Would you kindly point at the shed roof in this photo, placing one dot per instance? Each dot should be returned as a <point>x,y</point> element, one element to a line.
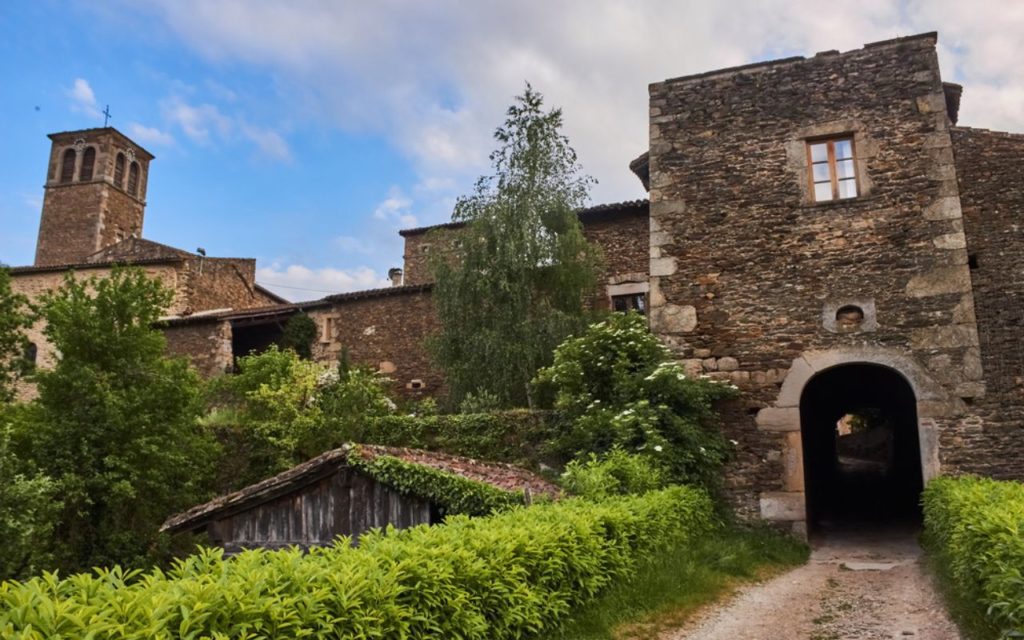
<point>502,476</point>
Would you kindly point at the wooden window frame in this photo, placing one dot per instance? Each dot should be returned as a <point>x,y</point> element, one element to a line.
<point>833,172</point>
<point>631,299</point>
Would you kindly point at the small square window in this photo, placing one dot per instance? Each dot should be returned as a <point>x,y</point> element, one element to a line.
<point>833,170</point>
<point>630,302</point>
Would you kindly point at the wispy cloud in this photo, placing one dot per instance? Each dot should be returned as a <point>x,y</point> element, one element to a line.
<point>435,77</point>
<point>396,209</point>
<point>83,99</point>
<point>198,122</point>
<point>269,142</point>
<point>299,282</point>
<point>149,135</point>
<point>205,124</point>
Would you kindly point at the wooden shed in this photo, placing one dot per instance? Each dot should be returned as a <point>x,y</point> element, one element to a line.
<point>326,497</point>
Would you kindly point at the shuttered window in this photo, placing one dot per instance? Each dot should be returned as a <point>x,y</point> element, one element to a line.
<point>119,171</point>
<point>133,179</point>
<point>67,168</point>
<point>88,162</point>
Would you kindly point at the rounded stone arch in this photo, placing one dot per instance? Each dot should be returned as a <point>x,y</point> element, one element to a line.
<point>932,401</point>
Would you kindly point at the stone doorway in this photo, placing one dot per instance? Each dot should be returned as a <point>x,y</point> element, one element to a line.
<point>861,450</point>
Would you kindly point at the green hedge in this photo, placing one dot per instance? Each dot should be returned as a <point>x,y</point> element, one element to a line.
<point>452,493</point>
<point>506,576</point>
<point>519,436</point>
<point>976,527</point>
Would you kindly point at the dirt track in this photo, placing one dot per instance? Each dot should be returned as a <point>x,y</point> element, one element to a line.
<point>856,586</point>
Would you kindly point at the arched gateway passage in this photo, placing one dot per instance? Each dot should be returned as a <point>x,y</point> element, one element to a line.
<point>862,460</point>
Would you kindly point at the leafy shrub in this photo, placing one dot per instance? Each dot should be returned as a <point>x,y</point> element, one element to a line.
<point>298,335</point>
<point>619,387</point>
<point>483,401</point>
<point>614,473</point>
<point>452,493</point>
<point>516,436</point>
<point>279,409</point>
<point>507,576</point>
<point>976,527</point>
<point>115,422</point>
<point>29,506</point>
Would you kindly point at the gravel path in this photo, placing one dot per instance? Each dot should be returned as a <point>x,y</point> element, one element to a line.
<point>854,587</point>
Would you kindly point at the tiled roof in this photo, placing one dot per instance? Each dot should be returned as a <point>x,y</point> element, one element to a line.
<point>586,215</point>
<point>92,265</point>
<point>503,476</point>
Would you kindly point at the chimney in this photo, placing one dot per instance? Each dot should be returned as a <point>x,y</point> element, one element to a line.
<point>395,276</point>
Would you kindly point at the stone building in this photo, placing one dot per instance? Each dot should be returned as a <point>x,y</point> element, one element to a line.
<point>387,328</point>
<point>825,236</point>
<point>92,218</point>
<point>819,231</point>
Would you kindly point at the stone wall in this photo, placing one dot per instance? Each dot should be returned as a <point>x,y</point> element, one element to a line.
<point>748,273</point>
<point>70,223</point>
<point>218,283</point>
<point>81,217</point>
<point>36,282</point>
<point>420,245</point>
<point>990,168</point>
<point>386,331</point>
<point>207,345</point>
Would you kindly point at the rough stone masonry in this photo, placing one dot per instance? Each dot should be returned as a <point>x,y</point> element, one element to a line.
<point>749,273</point>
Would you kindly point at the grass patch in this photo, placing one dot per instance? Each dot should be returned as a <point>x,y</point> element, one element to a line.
<point>675,584</point>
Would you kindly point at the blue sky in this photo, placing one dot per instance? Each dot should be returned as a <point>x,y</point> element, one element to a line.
<point>306,133</point>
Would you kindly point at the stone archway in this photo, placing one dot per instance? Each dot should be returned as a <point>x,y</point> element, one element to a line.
<point>789,504</point>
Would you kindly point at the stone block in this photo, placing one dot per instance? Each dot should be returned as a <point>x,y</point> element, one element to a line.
<point>939,281</point>
<point>710,364</point>
<point>665,266</point>
<point>778,419</point>
<point>950,241</point>
<point>793,462</point>
<point>783,506</point>
<point>947,208</point>
<point>728,364</point>
<point>672,318</point>
<point>702,353</point>
<point>692,367</point>
<point>947,337</point>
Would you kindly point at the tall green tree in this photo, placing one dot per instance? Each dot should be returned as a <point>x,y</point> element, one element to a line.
<point>517,282</point>
<point>15,317</point>
<point>116,422</point>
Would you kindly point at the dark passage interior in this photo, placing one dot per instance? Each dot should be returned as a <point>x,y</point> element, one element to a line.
<point>862,462</point>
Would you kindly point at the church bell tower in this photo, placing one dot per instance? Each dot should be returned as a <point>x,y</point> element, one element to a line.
<point>95,194</point>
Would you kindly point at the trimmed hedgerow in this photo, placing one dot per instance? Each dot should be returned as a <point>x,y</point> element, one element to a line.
<point>510,575</point>
<point>976,528</point>
<point>452,493</point>
<point>516,436</point>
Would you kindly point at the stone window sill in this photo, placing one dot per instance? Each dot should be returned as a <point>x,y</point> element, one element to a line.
<point>839,204</point>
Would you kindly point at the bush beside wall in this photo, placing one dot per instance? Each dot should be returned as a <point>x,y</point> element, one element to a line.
<point>976,528</point>
<point>511,575</point>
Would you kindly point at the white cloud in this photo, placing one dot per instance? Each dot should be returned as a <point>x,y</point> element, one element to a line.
<point>197,122</point>
<point>269,142</point>
<point>206,124</point>
<point>83,99</point>
<point>149,135</point>
<point>435,77</point>
<point>352,244</point>
<point>299,282</point>
<point>396,209</point>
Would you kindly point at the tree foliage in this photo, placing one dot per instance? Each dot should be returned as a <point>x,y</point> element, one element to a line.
<point>279,410</point>
<point>620,387</point>
<point>517,281</point>
<point>15,317</point>
<point>298,335</point>
<point>29,505</point>
<point>115,422</point>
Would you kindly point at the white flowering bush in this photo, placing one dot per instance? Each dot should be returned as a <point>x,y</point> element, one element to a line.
<point>621,389</point>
